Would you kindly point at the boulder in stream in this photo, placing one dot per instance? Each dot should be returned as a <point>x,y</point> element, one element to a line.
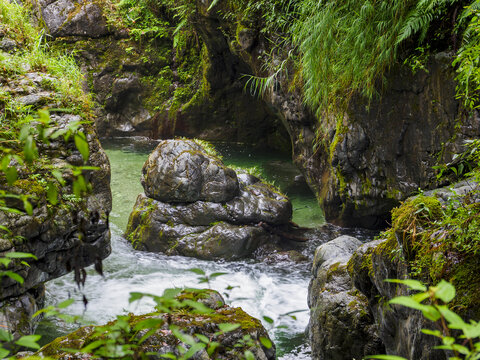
<point>341,324</point>
<point>196,206</point>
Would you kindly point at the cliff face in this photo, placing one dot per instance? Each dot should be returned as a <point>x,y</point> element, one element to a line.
<point>66,237</point>
<point>145,85</point>
<point>74,232</point>
<point>360,163</point>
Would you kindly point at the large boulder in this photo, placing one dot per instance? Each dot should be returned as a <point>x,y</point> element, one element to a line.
<point>195,206</point>
<point>341,325</point>
<point>181,171</point>
<point>250,335</point>
<point>72,17</point>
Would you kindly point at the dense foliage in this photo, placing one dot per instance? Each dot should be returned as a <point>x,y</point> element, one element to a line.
<point>347,47</point>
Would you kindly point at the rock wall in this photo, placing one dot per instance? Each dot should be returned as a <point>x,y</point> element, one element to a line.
<point>149,87</point>
<point>66,237</point>
<point>361,163</point>
<point>341,323</point>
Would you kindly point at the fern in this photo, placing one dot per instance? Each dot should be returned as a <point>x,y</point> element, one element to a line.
<point>347,46</point>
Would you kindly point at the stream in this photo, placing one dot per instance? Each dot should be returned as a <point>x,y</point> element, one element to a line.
<point>261,289</point>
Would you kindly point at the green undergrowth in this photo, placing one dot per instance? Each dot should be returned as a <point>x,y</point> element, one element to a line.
<point>162,30</point>
<point>32,69</point>
<point>32,54</point>
<point>438,241</point>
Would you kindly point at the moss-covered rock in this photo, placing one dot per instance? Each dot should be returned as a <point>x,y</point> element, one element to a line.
<point>204,326</point>
<point>341,323</point>
<point>181,171</point>
<point>433,236</point>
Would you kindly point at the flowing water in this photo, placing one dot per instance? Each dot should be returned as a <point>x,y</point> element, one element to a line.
<point>272,290</point>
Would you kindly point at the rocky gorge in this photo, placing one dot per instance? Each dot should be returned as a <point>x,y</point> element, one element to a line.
<point>195,76</point>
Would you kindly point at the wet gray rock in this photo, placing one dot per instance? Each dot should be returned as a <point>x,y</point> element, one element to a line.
<point>72,17</point>
<point>236,218</point>
<point>399,327</point>
<point>16,313</point>
<point>468,187</point>
<point>181,171</point>
<point>7,45</point>
<point>341,325</point>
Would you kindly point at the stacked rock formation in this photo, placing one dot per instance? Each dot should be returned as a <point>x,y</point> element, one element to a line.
<point>194,205</point>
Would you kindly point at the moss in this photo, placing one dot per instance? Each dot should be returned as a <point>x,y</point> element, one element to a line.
<point>340,132</point>
<point>30,186</point>
<point>336,269</point>
<point>366,264</point>
<point>466,279</point>
<point>421,210</point>
<point>139,224</point>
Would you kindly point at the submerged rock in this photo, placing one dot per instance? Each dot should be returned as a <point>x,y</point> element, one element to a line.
<point>341,325</point>
<point>195,206</point>
<point>250,335</point>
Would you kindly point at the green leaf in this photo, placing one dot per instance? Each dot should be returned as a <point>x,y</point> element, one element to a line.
<point>198,307</point>
<point>185,338</point>
<point>169,356</point>
<point>135,296</point>
<point>217,274</point>
<point>197,271</point>
<point>65,304</point>
<point>444,291</point>
<point>5,336</point>
<point>203,338</point>
<point>44,116</point>
<point>30,149</point>
<point>82,145</point>
<point>214,2</point>
<point>436,333</point>
<point>29,341</point>
<point>12,275</point>
<point>428,311</point>
<point>249,355</point>
<point>171,293</point>
<point>28,207</point>
<point>412,284</point>
<point>227,327</point>
<point>92,346</point>
<point>20,255</point>
<point>268,319</point>
<point>58,176</point>
<point>194,349</point>
<point>385,357</point>
<point>52,193</point>
<point>11,174</point>
<point>4,353</point>
<point>266,342</point>
<point>149,324</point>
<point>212,347</point>
<point>448,340</point>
